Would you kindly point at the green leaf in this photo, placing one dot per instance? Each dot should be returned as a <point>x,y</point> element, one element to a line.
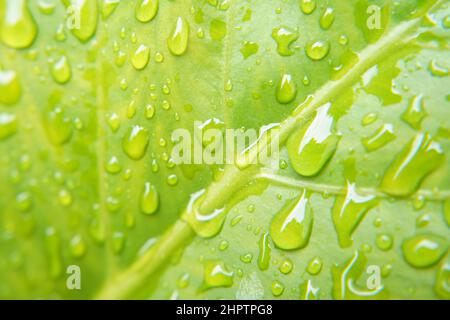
<point>91,95</point>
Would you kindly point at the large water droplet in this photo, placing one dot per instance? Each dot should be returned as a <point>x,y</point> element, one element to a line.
<point>313,145</point>
<point>135,142</point>
<point>149,199</point>
<point>10,89</point>
<point>8,125</point>
<point>178,40</point>
<point>249,48</point>
<point>286,89</point>
<point>82,17</point>
<point>424,250</point>
<point>284,37</point>
<point>17,26</point>
<point>291,227</point>
<point>414,163</point>
<point>146,10</point>
<point>348,212</point>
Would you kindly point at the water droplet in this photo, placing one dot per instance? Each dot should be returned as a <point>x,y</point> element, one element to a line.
<point>384,242</point>
<point>159,57</point>
<point>348,212</point>
<point>249,48</point>
<point>247,258</point>
<point>65,197</point>
<point>264,252</point>
<point>307,6</point>
<point>286,89</point>
<point>216,275</point>
<point>108,7</point>
<point>10,89</point>
<point>442,284</point>
<point>277,288</point>
<point>82,18</point>
<point>345,280</point>
<point>415,112</point>
<point>149,199</point>
<point>135,142</point>
<point>178,40</point>
<point>223,245</point>
<point>415,162</point>
<point>61,70</point>
<point>369,118</point>
<point>78,246</point>
<point>311,147</point>
<point>380,138</point>
<point>58,126</point>
<point>284,37</point>
<point>425,250</point>
<point>183,281</point>
<point>141,57</point>
<point>113,165</point>
<point>113,122</point>
<point>118,242</point>
<point>286,266</point>
<point>327,18</point>
<point>146,10</point>
<point>314,266</point>
<point>291,227</point>
<point>172,180</point>
<point>317,50</point>
<point>205,225</point>
<point>8,125</point>
<point>437,70</point>
<point>217,29</point>
<point>17,26</point>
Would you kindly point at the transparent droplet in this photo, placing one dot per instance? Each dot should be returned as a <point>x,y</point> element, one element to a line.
<point>291,227</point>
<point>264,252</point>
<point>286,89</point>
<point>61,70</point>
<point>317,50</point>
<point>82,18</point>
<point>178,40</point>
<point>314,266</point>
<point>284,37</point>
<point>149,201</point>
<point>135,142</point>
<point>10,89</point>
<point>8,125</point>
<point>216,275</point>
<point>380,138</point>
<point>327,18</point>
<point>17,26</point>
<point>416,112</point>
<point>140,57</point>
<point>249,48</point>
<point>424,250</point>
<point>311,147</point>
<point>146,10</point>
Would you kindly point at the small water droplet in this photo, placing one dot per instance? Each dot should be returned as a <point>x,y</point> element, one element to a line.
<point>264,252</point>
<point>317,50</point>
<point>78,246</point>
<point>327,18</point>
<point>384,241</point>
<point>216,275</point>
<point>286,89</point>
<point>314,266</point>
<point>8,125</point>
<point>286,266</point>
<point>277,288</point>
<point>149,199</point>
<point>249,48</point>
<point>380,138</point>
